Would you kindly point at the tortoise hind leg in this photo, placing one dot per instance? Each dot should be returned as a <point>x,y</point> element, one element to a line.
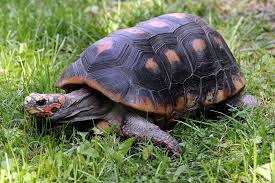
<point>243,101</point>
<point>137,126</point>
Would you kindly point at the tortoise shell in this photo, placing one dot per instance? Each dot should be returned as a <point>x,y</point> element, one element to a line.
<point>171,63</point>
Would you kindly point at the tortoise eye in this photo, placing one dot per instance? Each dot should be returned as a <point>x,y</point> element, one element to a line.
<point>41,102</point>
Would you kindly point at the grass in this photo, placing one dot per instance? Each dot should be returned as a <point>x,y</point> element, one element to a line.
<point>39,38</point>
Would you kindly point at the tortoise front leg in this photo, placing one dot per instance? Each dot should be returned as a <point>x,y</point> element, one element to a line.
<point>137,126</point>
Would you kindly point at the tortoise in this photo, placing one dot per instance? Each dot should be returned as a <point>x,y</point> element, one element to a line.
<point>143,78</point>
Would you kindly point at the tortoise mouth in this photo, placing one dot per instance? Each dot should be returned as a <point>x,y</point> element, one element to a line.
<point>36,112</point>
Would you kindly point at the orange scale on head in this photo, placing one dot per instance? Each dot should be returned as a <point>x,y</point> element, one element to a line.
<point>49,108</point>
<point>61,99</point>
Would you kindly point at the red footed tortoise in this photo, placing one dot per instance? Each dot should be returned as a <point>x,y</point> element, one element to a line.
<point>163,68</point>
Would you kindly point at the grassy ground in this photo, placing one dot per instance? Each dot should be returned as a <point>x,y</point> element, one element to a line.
<point>39,38</point>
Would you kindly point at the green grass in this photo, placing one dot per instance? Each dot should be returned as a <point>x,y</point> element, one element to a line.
<point>39,38</point>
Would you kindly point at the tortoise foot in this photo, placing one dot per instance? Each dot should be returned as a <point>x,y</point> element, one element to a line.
<point>137,126</point>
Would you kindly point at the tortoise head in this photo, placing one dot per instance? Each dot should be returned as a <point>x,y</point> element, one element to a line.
<point>43,105</point>
<point>80,105</point>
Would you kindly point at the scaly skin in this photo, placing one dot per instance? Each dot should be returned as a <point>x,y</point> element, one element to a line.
<point>137,126</point>
<point>86,104</point>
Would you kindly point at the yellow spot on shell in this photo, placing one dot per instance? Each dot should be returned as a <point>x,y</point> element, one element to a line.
<point>172,56</point>
<point>198,44</point>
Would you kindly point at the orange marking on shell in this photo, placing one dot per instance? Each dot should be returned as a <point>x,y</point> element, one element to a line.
<point>151,64</point>
<point>142,105</point>
<point>71,81</point>
<point>91,83</point>
<point>226,92</point>
<point>209,99</point>
<point>169,109</point>
<point>103,46</point>
<point>161,109</point>
<point>220,96</point>
<point>145,104</point>
<point>134,30</point>
<point>178,15</point>
<point>180,104</point>
<point>172,56</point>
<point>238,82</point>
<point>191,99</point>
<point>198,44</point>
<point>158,23</point>
<point>94,84</point>
<point>217,40</point>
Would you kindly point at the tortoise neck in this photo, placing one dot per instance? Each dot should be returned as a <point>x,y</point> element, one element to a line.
<point>83,105</point>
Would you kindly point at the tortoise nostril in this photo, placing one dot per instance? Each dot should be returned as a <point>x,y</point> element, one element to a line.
<point>27,100</point>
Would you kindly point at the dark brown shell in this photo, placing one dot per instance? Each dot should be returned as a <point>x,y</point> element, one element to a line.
<point>171,63</point>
